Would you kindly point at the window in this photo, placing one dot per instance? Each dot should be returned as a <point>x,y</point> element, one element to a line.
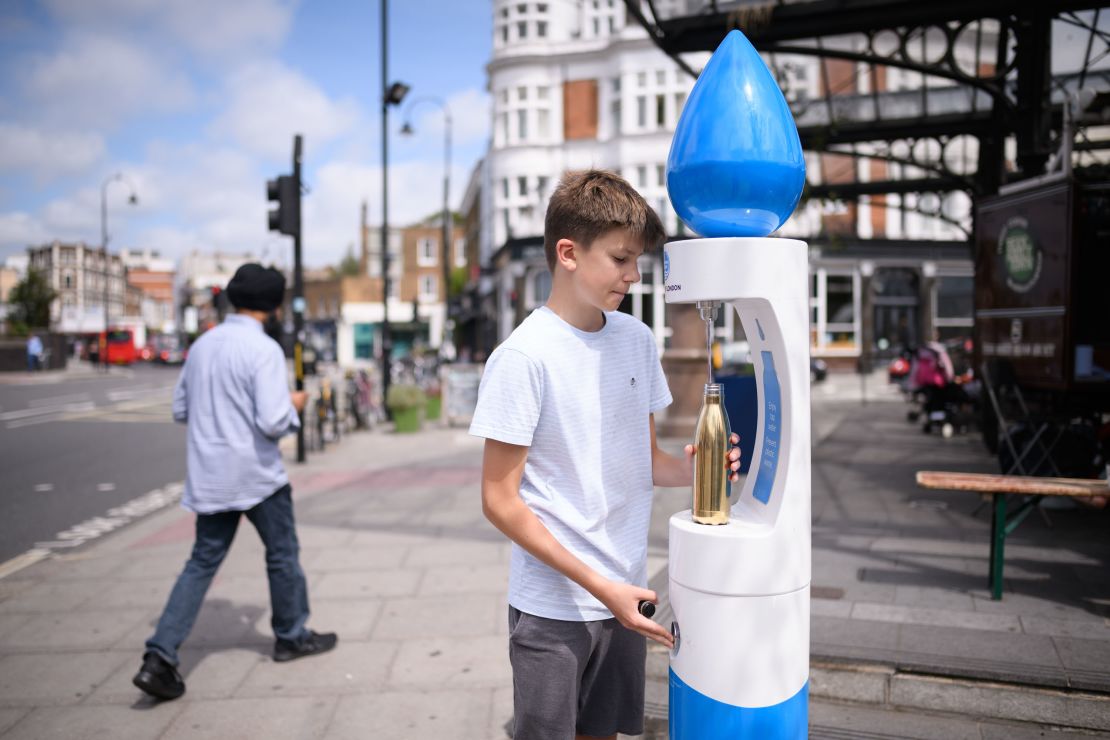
<point>541,287</point>
<point>541,8</point>
<point>522,30</point>
<point>460,252</point>
<point>661,77</point>
<point>612,25</point>
<point>522,93</point>
<point>426,252</point>
<point>641,79</point>
<point>543,123</point>
<point>429,288</point>
<point>955,298</point>
<point>660,175</point>
<point>641,176</point>
<point>541,186</point>
<point>641,111</point>
<point>541,29</point>
<point>68,280</point>
<point>615,112</point>
<point>522,186</point>
<point>597,27</point>
<point>542,92</point>
<point>503,127</point>
<point>504,12</point>
<point>616,85</point>
<point>522,8</point>
<point>522,125</point>
<point>504,34</point>
<point>679,101</point>
<point>839,300</point>
<point>505,188</point>
<point>504,95</point>
<point>660,111</point>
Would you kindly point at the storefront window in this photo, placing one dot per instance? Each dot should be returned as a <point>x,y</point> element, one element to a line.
<point>364,341</point>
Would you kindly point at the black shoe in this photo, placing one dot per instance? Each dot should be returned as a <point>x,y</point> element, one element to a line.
<point>314,643</point>
<point>158,678</point>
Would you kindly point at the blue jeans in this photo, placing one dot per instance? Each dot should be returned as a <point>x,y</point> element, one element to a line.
<point>273,518</point>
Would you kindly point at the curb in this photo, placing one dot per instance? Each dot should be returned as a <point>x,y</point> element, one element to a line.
<point>882,686</point>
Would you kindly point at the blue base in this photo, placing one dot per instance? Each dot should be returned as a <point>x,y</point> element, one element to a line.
<point>695,716</point>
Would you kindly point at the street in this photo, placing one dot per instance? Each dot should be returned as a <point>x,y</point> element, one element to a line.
<point>74,445</point>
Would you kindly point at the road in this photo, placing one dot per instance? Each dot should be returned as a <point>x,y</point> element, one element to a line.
<point>75,446</point>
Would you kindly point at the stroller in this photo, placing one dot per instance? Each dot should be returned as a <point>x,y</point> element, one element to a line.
<point>943,402</point>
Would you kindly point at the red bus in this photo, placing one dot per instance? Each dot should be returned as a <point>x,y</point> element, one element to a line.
<point>121,347</point>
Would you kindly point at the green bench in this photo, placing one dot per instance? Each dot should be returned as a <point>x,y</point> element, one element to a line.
<point>999,486</point>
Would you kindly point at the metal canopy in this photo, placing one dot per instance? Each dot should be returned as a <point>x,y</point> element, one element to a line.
<point>1007,90</point>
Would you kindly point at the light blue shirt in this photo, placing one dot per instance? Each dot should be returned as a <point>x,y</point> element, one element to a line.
<point>234,395</point>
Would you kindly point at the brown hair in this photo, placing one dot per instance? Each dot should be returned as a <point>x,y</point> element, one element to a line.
<point>588,203</point>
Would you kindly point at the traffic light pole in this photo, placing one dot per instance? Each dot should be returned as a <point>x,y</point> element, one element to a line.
<point>298,295</point>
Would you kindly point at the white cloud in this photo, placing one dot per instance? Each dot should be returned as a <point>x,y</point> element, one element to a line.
<point>469,117</point>
<point>100,81</point>
<point>45,154</point>
<point>270,103</point>
<point>18,230</point>
<point>208,27</point>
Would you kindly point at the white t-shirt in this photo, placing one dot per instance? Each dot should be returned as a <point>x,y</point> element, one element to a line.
<point>580,401</point>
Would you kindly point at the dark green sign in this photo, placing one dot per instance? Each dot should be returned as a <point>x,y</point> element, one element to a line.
<point>1020,254</point>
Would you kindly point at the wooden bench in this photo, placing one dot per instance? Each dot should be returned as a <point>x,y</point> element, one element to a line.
<point>998,486</point>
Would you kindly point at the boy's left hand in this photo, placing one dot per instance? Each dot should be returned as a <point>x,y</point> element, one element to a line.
<point>733,457</point>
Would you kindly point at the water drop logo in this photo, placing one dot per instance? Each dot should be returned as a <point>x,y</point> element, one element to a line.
<point>736,165</point>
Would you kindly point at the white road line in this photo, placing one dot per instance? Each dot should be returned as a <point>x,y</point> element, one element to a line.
<point>90,529</point>
<point>104,487</point>
<point>28,417</point>
<point>58,400</point>
<point>44,487</point>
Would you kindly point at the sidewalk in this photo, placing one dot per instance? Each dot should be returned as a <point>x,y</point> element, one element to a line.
<point>403,565</point>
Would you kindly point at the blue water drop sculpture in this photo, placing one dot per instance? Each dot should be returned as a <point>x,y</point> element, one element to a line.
<point>736,166</point>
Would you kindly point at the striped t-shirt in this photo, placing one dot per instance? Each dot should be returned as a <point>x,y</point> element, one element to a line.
<point>580,401</point>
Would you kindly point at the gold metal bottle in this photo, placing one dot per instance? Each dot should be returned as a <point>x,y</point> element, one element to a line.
<point>711,504</point>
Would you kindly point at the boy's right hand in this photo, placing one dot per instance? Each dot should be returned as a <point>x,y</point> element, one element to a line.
<point>624,600</point>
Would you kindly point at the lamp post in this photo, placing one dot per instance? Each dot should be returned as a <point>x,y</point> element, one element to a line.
<point>392,94</point>
<point>132,199</point>
<point>408,130</point>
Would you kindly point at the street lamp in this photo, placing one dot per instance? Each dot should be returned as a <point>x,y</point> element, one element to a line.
<point>392,94</point>
<point>132,199</point>
<point>408,130</point>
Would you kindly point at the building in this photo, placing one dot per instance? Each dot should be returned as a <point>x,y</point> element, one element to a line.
<point>201,279</point>
<point>417,297</point>
<point>153,277</point>
<point>83,277</point>
<point>581,85</point>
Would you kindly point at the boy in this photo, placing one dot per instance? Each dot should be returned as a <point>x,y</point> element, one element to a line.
<point>566,407</point>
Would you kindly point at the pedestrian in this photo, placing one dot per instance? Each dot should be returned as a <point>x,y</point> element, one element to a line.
<point>233,394</point>
<point>34,353</point>
<point>566,406</point>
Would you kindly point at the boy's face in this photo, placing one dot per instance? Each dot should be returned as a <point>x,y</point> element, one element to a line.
<point>604,272</point>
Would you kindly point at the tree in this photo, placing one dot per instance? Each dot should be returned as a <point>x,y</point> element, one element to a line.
<point>30,301</point>
<point>348,267</point>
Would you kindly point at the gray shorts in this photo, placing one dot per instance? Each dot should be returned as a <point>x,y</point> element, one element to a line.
<point>575,677</point>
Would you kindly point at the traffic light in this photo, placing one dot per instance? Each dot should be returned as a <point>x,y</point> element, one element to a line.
<point>286,218</point>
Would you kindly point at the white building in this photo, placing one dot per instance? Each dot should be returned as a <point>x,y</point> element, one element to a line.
<point>83,278</point>
<point>579,85</point>
<point>574,86</point>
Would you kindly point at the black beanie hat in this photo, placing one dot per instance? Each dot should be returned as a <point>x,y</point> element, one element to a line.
<point>256,288</point>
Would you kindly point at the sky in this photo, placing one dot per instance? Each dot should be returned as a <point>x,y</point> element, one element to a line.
<point>196,103</point>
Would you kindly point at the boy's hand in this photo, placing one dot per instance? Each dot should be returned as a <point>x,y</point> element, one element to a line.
<point>624,601</point>
<point>733,457</point>
<point>298,399</point>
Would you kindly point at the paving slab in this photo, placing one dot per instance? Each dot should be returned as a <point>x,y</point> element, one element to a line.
<point>445,663</point>
<point>47,679</point>
<point>359,667</point>
<point>274,718</point>
<point>105,722</point>
<point>412,715</point>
